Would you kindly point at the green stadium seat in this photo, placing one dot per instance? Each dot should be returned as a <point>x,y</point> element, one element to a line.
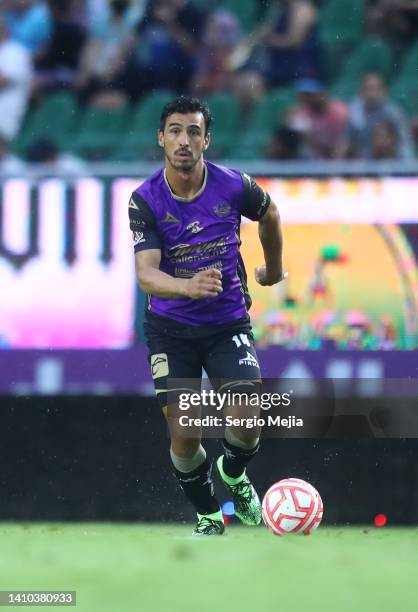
<point>272,107</point>
<point>54,119</point>
<point>404,92</point>
<point>345,88</point>
<point>140,139</point>
<point>245,10</point>
<point>372,55</point>
<point>404,88</point>
<point>341,22</point>
<point>410,62</point>
<point>252,144</point>
<point>99,132</point>
<point>263,122</point>
<point>225,113</point>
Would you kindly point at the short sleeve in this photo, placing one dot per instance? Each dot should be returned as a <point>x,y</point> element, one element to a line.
<point>143,225</point>
<point>255,200</point>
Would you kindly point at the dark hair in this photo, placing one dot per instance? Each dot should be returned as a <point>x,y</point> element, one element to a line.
<point>41,151</point>
<point>183,105</point>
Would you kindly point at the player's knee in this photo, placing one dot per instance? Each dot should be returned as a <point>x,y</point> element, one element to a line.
<point>185,447</point>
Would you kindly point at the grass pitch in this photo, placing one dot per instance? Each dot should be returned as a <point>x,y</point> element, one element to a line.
<point>131,568</point>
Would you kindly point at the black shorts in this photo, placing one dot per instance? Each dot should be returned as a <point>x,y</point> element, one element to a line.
<point>176,353</point>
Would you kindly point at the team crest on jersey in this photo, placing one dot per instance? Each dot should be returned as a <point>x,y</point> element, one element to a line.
<point>169,218</point>
<point>222,210</point>
<point>194,227</point>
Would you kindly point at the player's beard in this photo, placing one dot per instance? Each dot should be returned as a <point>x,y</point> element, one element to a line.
<point>187,165</point>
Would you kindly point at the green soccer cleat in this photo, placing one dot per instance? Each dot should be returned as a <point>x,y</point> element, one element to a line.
<point>207,526</point>
<point>246,502</point>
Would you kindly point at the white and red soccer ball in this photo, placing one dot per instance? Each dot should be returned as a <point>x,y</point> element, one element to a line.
<point>292,506</point>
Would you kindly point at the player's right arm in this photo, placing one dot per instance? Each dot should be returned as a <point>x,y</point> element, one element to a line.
<point>148,245</point>
<point>155,282</point>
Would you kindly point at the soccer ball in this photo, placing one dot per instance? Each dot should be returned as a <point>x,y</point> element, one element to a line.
<point>292,506</point>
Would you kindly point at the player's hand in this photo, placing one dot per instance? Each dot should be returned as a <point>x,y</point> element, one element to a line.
<point>204,284</point>
<point>266,277</point>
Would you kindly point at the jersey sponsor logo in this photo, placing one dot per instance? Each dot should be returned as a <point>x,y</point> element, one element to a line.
<point>189,272</point>
<point>138,237</point>
<point>249,360</point>
<point>159,365</point>
<point>177,246</point>
<point>222,209</point>
<point>208,249</point>
<point>169,218</point>
<point>194,227</point>
<point>132,204</point>
<point>184,272</point>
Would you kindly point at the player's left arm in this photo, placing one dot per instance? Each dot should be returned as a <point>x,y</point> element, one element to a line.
<point>271,238</point>
<point>258,206</point>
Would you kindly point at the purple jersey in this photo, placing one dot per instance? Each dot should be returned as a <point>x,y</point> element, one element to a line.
<point>198,234</point>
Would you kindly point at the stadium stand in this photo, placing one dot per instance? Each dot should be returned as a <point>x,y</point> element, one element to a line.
<point>245,10</point>
<point>404,88</point>
<point>139,140</point>
<point>125,131</point>
<point>265,118</point>
<point>99,132</point>
<point>225,110</point>
<point>371,55</point>
<point>56,116</point>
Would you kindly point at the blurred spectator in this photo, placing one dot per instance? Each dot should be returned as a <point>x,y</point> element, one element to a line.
<point>29,22</point>
<point>167,41</point>
<point>15,79</point>
<point>283,49</point>
<point>291,41</point>
<point>285,144</point>
<point>44,151</point>
<point>103,60</point>
<point>57,63</point>
<point>87,12</point>
<point>399,18</point>
<point>387,334</point>
<point>96,9</point>
<point>319,121</point>
<point>9,163</point>
<point>221,35</point>
<point>385,141</point>
<point>372,108</point>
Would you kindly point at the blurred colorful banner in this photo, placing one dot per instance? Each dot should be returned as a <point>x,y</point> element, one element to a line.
<point>351,248</point>
<point>353,279</point>
<point>66,266</point>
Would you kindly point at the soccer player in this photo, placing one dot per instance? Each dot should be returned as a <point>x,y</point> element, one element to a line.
<point>185,220</point>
